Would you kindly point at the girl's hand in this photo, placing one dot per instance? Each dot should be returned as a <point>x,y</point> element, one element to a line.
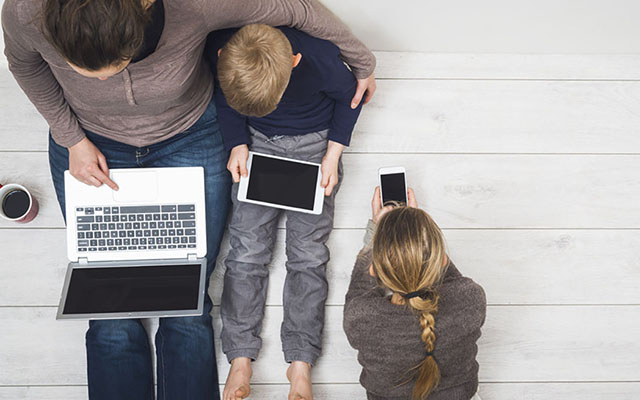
<point>88,165</point>
<point>237,164</point>
<point>377,211</point>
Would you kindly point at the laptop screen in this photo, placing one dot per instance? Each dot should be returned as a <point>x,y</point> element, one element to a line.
<point>133,289</point>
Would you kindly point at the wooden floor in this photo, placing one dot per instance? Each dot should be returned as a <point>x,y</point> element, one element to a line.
<point>531,164</point>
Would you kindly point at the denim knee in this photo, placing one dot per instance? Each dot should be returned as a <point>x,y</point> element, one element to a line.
<point>117,334</point>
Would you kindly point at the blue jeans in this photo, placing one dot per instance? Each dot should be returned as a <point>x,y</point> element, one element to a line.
<point>118,352</point>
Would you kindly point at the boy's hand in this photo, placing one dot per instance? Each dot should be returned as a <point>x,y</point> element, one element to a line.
<point>329,167</point>
<point>237,164</point>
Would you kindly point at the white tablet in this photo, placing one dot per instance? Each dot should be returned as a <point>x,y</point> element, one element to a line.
<point>282,183</point>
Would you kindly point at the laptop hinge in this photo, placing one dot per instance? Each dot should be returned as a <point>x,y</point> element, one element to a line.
<point>83,260</point>
<point>192,257</point>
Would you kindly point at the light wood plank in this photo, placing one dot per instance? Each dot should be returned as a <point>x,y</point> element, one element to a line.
<point>563,391</point>
<point>32,171</point>
<point>519,344</point>
<point>559,344</point>
<point>503,191</point>
<point>44,393</point>
<point>488,391</point>
<point>23,128</point>
<point>429,65</point>
<point>460,191</point>
<point>258,392</point>
<point>445,116</point>
<point>500,117</point>
<point>494,26</point>
<point>577,267</point>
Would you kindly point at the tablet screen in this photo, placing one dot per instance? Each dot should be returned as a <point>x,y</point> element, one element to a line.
<point>282,182</point>
<point>131,289</point>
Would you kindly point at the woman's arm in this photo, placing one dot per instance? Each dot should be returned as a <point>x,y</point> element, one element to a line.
<point>35,78</point>
<point>309,16</point>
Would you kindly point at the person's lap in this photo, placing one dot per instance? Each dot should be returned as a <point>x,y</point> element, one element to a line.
<point>251,232</point>
<point>118,352</point>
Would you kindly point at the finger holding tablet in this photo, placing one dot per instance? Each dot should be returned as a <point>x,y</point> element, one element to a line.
<point>237,163</point>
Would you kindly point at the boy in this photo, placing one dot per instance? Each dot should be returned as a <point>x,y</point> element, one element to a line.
<point>281,92</point>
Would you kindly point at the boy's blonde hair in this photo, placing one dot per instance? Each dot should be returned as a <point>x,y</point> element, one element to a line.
<point>254,68</point>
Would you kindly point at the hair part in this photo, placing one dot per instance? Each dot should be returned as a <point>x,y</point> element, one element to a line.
<point>254,68</point>
<point>409,255</point>
<point>95,34</point>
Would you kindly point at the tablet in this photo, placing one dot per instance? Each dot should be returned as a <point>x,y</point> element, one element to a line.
<point>282,183</point>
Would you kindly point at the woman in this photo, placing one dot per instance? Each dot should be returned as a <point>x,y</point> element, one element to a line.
<point>412,316</point>
<point>123,83</point>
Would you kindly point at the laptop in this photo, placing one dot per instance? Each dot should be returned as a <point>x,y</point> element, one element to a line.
<point>137,252</point>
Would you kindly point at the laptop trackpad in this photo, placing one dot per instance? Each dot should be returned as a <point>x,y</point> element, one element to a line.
<point>135,186</point>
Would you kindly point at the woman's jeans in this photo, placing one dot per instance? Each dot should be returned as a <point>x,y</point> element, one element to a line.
<point>118,352</point>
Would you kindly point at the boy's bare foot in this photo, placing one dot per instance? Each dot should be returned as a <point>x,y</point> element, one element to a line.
<point>237,385</point>
<point>299,374</point>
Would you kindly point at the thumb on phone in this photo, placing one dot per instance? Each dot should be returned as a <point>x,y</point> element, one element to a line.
<point>411,199</point>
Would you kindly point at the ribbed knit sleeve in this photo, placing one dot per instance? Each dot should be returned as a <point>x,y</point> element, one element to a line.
<point>34,76</point>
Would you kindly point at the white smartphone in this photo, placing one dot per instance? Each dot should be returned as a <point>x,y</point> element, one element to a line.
<point>393,185</point>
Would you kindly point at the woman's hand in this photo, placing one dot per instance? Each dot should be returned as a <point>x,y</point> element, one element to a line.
<point>237,164</point>
<point>329,167</point>
<point>377,211</point>
<point>88,165</point>
<point>367,85</point>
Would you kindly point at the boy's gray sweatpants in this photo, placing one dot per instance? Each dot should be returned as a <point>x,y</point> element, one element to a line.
<point>252,232</point>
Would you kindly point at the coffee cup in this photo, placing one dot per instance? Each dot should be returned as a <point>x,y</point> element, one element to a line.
<point>17,204</point>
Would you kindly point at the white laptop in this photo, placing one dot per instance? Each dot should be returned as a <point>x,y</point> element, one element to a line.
<point>139,251</point>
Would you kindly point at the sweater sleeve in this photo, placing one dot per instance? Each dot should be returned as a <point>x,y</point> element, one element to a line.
<point>233,125</point>
<point>361,281</point>
<point>309,16</point>
<point>35,78</point>
<point>340,85</point>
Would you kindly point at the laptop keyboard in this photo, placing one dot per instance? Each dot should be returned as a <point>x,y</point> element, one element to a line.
<point>127,228</point>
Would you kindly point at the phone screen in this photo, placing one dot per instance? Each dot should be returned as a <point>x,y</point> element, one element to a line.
<point>393,188</point>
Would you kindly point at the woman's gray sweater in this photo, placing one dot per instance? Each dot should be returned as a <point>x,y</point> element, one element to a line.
<point>387,336</point>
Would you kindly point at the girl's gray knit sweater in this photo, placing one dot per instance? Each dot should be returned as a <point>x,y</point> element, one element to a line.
<point>387,336</point>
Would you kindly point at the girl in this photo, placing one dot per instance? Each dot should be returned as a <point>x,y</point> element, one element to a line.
<point>412,316</point>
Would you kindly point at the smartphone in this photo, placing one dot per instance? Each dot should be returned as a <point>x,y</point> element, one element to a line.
<point>393,185</point>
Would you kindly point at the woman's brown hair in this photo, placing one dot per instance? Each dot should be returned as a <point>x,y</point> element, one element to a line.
<point>95,34</point>
<point>409,257</point>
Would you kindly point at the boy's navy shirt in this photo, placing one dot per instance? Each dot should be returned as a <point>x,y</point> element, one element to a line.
<point>317,97</point>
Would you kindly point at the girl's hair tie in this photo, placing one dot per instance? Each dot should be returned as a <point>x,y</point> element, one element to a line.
<point>412,295</point>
